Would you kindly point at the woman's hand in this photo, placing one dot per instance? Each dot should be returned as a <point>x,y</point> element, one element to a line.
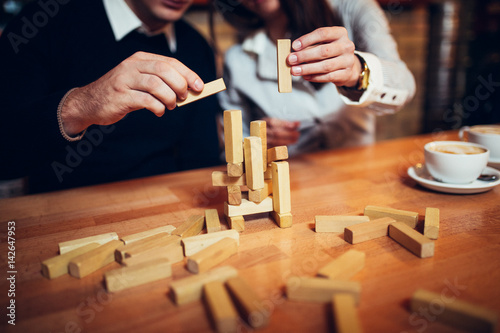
<point>281,132</point>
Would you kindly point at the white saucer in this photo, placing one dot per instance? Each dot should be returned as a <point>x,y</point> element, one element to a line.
<point>494,163</point>
<point>421,176</point>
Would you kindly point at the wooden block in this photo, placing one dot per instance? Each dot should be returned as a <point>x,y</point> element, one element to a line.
<point>320,289</point>
<point>412,240</point>
<point>258,128</point>
<point>279,153</point>
<point>431,224</point>
<point>283,220</point>
<point>190,289</point>
<point>136,275</point>
<point>93,260</point>
<point>212,255</point>
<point>212,220</point>
<point>197,243</point>
<point>58,265</point>
<point>167,229</point>
<point>192,226</point>
<point>234,195</point>
<point>284,74</point>
<point>259,195</point>
<point>460,314</point>
<point>233,136</point>
<point>154,247</point>
<point>375,212</point>
<point>253,163</point>
<point>281,187</point>
<point>248,207</point>
<point>235,169</point>
<point>344,266</point>
<point>221,307</point>
<point>71,245</point>
<point>268,174</point>
<point>337,223</point>
<point>248,302</point>
<point>363,232</point>
<point>221,178</point>
<point>172,253</point>
<point>345,315</point>
<point>209,89</point>
<point>236,223</point>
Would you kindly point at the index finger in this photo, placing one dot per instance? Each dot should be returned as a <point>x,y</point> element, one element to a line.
<point>318,36</point>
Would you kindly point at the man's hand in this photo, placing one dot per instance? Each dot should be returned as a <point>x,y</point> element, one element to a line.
<point>281,132</point>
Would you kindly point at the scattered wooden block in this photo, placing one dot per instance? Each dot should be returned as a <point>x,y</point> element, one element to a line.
<point>71,245</point>
<point>457,313</point>
<point>281,187</point>
<point>320,289</point>
<point>259,195</point>
<point>411,239</point>
<point>190,289</point>
<point>221,178</point>
<point>235,169</point>
<point>209,89</point>
<point>284,74</point>
<point>363,232</point>
<point>375,212</point>
<point>345,315</point>
<point>283,220</point>
<point>192,226</point>
<point>344,266</point>
<point>136,275</point>
<point>253,162</point>
<point>197,243</point>
<point>258,129</point>
<point>431,224</point>
<point>212,220</point>
<point>278,153</point>
<point>221,307</point>
<point>248,303</point>
<point>337,223</point>
<point>58,265</point>
<point>212,255</point>
<point>233,136</point>
<point>234,195</point>
<point>93,260</point>
<point>156,246</point>
<point>172,253</point>
<point>248,207</point>
<point>236,223</point>
<point>166,229</point>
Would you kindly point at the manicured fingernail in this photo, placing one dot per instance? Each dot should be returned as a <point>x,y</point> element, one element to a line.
<point>198,84</point>
<point>296,70</point>
<point>292,59</point>
<point>297,45</point>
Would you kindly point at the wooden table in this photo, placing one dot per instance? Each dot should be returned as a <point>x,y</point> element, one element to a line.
<point>466,264</point>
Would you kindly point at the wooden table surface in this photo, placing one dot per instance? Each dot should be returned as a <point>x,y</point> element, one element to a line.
<point>466,264</point>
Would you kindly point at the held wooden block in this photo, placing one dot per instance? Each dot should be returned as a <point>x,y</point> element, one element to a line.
<point>279,153</point>
<point>431,224</point>
<point>248,303</point>
<point>345,315</point>
<point>154,247</point>
<point>212,220</point>
<point>192,226</point>
<point>233,136</point>
<point>197,243</point>
<point>460,314</point>
<point>337,223</point>
<point>136,275</point>
<point>363,232</point>
<point>212,255</point>
<point>221,178</point>
<point>258,128</point>
<point>221,307</point>
<point>344,266</point>
<point>283,220</point>
<point>253,163</point>
<point>412,240</point>
<point>284,73</point>
<point>167,229</point>
<point>209,89</point>
<point>281,187</point>
<point>375,212</point>
<point>93,260</point>
<point>58,265</point>
<point>248,207</point>
<point>236,222</point>
<point>235,169</point>
<point>320,289</point>
<point>190,289</point>
<point>71,245</point>
<point>259,195</point>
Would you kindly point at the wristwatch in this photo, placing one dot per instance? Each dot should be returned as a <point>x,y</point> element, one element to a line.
<point>364,76</point>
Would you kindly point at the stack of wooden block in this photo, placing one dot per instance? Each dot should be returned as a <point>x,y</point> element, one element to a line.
<point>257,178</point>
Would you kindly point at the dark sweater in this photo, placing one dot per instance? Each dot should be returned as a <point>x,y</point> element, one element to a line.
<point>72,48</point>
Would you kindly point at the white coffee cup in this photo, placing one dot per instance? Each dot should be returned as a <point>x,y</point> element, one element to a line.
<point>455,162</point>
<point>485,135</point>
